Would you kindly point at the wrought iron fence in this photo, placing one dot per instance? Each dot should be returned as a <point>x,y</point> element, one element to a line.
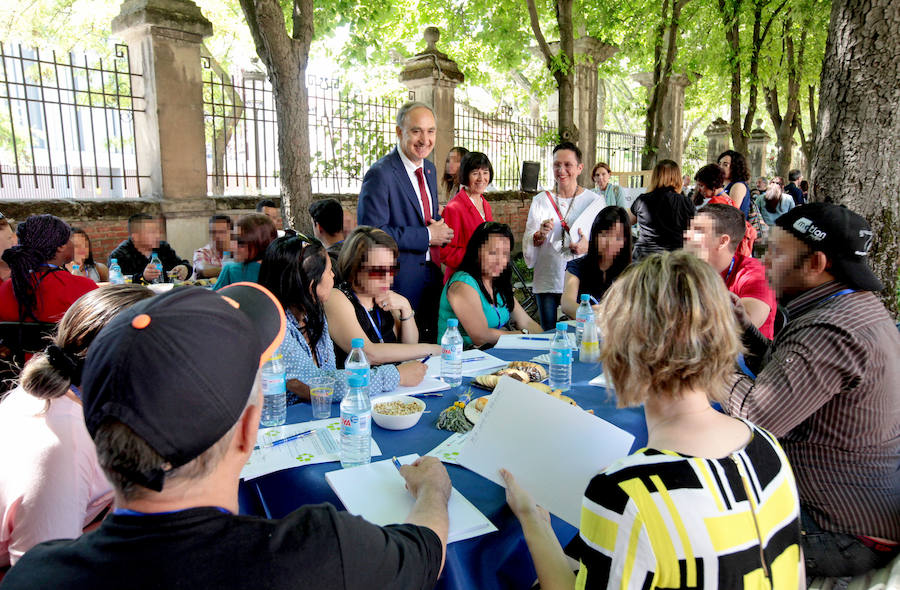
<point>621,151</point>
<point>347,133</point>
<point>67,125</point>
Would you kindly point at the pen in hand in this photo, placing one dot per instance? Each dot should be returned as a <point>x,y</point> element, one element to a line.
<point>396,463</point>
<point>424,360</point>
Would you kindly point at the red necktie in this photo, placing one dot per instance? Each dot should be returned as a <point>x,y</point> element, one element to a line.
<point>426,208</point>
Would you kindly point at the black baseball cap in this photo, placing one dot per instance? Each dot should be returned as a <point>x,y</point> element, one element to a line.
<point>842,235</point>
<point>178,368</point>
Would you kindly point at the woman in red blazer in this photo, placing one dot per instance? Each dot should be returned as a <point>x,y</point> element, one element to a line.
<point>468,209</point>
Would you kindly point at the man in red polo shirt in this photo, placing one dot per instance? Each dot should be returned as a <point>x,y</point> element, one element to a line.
<point>714,236</point>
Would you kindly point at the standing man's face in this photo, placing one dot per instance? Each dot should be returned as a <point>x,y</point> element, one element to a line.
<point>417,134</point>
<point>274,214</point>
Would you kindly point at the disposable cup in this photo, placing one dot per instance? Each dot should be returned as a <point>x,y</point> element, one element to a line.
<point>321,390</point>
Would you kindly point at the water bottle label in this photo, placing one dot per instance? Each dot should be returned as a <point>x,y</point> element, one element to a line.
<point>361,371</point>
<point>449,354</point>
<point>356,424</point>
<point>561,357</point>
<point>273,385</point>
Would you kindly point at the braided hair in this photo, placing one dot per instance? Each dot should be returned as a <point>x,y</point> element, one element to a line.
<point>40,236</point>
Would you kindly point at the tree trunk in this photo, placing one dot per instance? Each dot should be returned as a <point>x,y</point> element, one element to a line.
<point>285,58</point>
<point>858,127</point>
<point>732,24</point>
<point>561,65</point>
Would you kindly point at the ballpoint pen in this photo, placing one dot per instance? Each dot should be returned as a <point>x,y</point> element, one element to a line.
<point>287,439</point>
<point>396,463</point>
<point>424,360</point>
<point>548,337</point>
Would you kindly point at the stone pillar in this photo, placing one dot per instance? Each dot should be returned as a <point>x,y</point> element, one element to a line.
<point>718,136</point>
<point>758,146</point>
<point>671,145</point>
<point>433,77</point>
<point>165,37</point>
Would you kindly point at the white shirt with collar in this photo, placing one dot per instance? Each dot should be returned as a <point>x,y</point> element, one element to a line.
<point>411,173</point>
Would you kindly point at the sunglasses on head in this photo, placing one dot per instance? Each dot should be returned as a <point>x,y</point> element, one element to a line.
<point>377,272</point>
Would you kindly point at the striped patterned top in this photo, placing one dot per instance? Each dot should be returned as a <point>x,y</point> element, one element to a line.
<point>829,389</point>
<point>659,519</point>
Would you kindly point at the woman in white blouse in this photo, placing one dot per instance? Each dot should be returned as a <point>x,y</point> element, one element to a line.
<point>548,243</point>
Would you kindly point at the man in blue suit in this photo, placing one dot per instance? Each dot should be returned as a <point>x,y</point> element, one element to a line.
<point>399,195</point>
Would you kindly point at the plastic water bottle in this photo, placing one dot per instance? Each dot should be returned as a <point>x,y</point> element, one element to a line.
<point>560,359</point>
<point>274,410</point>
<point>115,273</point>
<point>155,261</point>
<point>358,364</point>
<point>356,425</point>
<point>584,314</point>
<point>589,351</point>
<point>451,354</point>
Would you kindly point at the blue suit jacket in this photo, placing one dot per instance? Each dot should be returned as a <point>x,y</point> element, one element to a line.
<point>388,201</point>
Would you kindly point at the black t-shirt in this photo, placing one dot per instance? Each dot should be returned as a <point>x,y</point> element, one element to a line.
<point>662,215</point>
<point>594,283</point>
<point>312,547</point>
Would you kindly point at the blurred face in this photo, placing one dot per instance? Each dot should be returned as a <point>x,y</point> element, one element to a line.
<point>220,235</point>
<point>146,235</point>
<point>326,283</point>
<point>725,165</point>
<point>494,256</point>
<point>241,251</point>
<point>376,275</point>
<point>601,178</point>
<point>349,223</point>
<point>566,168</point>
<point>81,248</point>
<point>761,185</point>
<point>274,214</point>
<point>704,191</point>
<point>417,135</point>
<point>65,253</point>
<point>611,242</point>
<point>8,238</point>
<point>451,166</point>
<point>785,263</point>
<point>701,240</point>
<point>479,180</point>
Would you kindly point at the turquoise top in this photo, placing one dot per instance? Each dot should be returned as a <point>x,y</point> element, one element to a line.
<point>238,272</point>
<point>496,316</point>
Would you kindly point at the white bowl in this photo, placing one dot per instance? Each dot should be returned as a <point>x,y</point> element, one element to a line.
<point>403,422</point>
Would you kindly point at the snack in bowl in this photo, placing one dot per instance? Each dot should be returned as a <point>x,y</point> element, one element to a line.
<point>398,413</point>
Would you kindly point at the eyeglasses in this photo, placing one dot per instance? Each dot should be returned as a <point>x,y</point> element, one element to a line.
<point>379,272</point>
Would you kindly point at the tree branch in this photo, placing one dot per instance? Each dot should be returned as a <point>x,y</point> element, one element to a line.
<point>538,34</point>
<point>771,19</point>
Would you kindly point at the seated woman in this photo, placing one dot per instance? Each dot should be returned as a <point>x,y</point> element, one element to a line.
<point>711,501</point>
<point>609,252</point>
<point>83,263</point>
<point>299,274</point>
<point>480,293</point>
<point>468,209</point>
<point>365,307</point>
<point>254,234</point>
<point>40,288</point>
<point>51,485</point>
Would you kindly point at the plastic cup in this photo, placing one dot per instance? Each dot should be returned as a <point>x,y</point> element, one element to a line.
<point>321,390</point>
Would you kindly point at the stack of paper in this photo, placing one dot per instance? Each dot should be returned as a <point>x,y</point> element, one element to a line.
<point>322,446</point>
<point>378,493</point>
<point>428,385</point>
<point>474,362</point>
<point>552,448</point>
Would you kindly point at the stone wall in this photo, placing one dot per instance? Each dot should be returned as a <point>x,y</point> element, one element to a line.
<point>106,221</point>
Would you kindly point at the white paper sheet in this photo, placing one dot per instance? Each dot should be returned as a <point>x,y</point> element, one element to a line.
<point>552,448</point>
<point>586,219</point>
<point>600,381</point>
<point>529,341</point>
<point>378,493</point>
<point>474,362</point>
<point>428,385</point>
<point>322,447</point>
<point>448,451</point>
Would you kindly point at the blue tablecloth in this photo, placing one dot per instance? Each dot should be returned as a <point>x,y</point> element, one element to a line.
<point>497,560</point>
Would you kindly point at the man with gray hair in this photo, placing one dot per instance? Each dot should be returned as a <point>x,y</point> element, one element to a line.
<point>399,195</point>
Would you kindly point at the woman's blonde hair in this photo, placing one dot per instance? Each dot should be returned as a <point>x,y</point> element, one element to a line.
<point>666,174</point>
<point>77,329</point>
<point>668,327</point>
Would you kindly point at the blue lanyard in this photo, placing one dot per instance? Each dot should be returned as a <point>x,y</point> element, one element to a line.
<point>368,315</point>
<point>76,391</point>
<point>730,268</point>
<point>127,512</point>
<point>838,294</point>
